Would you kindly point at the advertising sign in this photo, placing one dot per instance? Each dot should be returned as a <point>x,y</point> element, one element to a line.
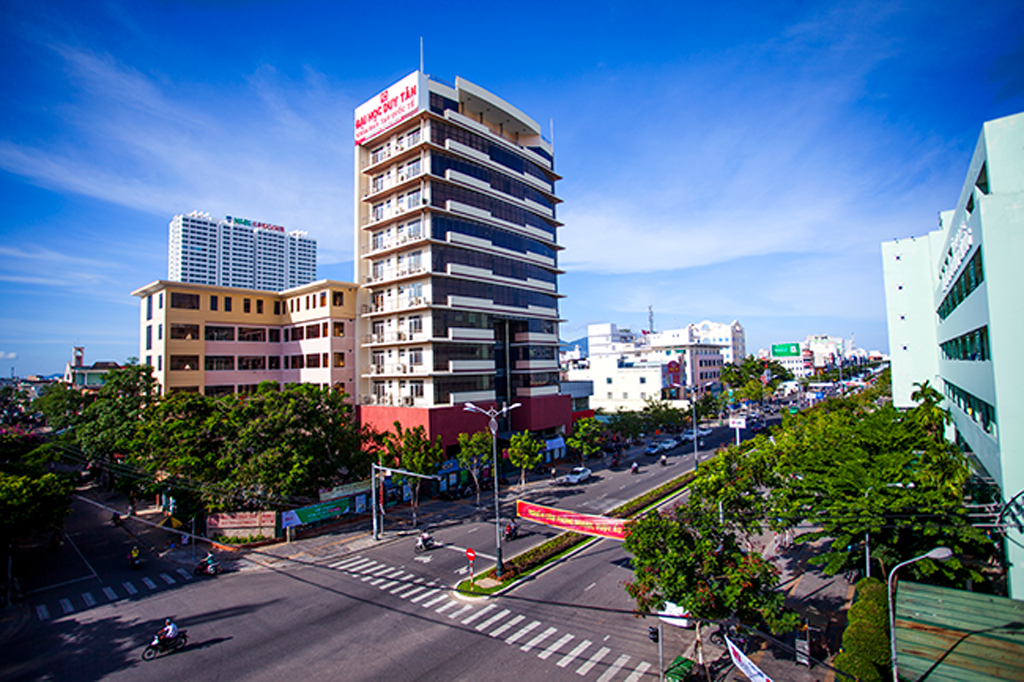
<point>737,422</point>
<point>346,490</point>
<point>314,513</point>
<point>745,665</point>
<point>785,350</point>
<point>390,107</point>
<point>599,526</point>
<point>240,524</point>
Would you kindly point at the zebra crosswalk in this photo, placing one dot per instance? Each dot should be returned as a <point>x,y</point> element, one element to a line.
<point>530,635</point>
<point>127,589</point>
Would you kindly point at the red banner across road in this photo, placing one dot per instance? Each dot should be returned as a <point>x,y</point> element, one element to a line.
<point>600,526</point>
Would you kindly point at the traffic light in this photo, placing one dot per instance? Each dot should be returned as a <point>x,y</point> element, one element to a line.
<point>652,634</point>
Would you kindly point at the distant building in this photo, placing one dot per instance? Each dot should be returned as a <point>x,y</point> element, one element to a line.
<point>83,376</point>
<point>221,340</point>
<point>953,301</point>
<point>238,252</point>
<point>730,336</point>
<point>796,359</point>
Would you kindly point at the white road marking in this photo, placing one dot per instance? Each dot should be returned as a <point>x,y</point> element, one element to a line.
<point>109,591</point>
<point>345,563</point>
<point>588,587</point>
<point>455,614</point>
<point>184,574</point>
<point>500,630</point>
<point>65,605</point>
<point>411,592</point>
<point>168,579</point>
<point>423,596</point>
<point>523,631</point>
<point>445,607</point>
<point>430,602</point>
<point>42,612</point>
<point>614,668</point>
<point>462,551</point>
<point>569,657</point>
<point>129,588</point>
<point>544,655</point>
<point>88,599</point>
<point>639,672</point>
<point>489,607</point>
<point>423,559</point>
<point>149,583</point>
<point>461,571</point>
<point>538,639</point>
<point>492,620</point>
<point>594,660</point>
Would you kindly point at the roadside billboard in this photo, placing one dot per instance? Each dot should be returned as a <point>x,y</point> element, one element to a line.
<point>786,350</point>
<point>587,524</point>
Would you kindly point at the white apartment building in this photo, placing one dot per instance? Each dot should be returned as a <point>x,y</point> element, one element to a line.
<point>953,301</point>
<point>730,336</point>
<point>238,252</point>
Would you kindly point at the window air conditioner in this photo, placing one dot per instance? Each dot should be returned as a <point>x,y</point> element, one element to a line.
<point>408,401</point>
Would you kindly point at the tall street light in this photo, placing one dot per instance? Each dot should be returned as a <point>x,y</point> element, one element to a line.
<point>493,414</point>
<point>937,554</point>
<point>696,436</point>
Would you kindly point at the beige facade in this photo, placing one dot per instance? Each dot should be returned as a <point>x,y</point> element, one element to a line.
<point>220,340</point>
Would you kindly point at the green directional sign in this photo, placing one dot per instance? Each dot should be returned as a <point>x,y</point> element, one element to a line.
<point>786,350</point>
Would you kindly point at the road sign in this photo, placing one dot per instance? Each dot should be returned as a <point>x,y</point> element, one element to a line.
<point>470,554</point>
<point>737,422</point>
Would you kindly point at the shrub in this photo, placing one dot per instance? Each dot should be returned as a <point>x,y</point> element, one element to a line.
<point>871,612</point>
<point>872,589</point>
<point>852,664</point>
<point>867,641</point>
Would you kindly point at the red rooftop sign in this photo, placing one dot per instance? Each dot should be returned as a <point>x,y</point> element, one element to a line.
<point>389,108</point>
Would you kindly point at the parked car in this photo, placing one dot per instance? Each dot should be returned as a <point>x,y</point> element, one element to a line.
<point>703,432</point>
<point>577,475</point>
<point>653,449</point>
<point>688,435</point>
<point>670,444</point>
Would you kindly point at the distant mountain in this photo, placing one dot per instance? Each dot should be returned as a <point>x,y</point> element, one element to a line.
<point>569,345</point>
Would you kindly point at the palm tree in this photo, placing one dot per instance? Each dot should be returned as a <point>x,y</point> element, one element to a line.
<point>928,413</point>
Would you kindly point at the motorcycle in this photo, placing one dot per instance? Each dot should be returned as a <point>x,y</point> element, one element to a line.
<point>159,646</point>
<point>615,461</point>
<point>634,469</point>
<point>424,544</point>
<point>205,567</point>
<point>134,561</point>
<point>664,460</point>
<point>511,532</point>
<point>740,640</point>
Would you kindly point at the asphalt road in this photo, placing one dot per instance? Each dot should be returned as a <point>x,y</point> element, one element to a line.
<point>379,613</point>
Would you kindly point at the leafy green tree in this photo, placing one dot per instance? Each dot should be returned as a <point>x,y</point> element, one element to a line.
<point>108,425</point>
<point>687,557</point>
<point>414,452</point>
<point>524,453</point>
<point>928,413</point>
<point>587,438</point>
<point>61,405</point>
<point>659,414</point>
<point>625,424</point>
<point>33,499</point>
<point>475,450</point>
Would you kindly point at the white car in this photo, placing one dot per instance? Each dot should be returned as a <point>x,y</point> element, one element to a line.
<point>704,432</point>
<point>577,475</point>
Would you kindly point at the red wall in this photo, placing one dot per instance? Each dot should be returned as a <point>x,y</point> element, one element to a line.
<point>448,422</point>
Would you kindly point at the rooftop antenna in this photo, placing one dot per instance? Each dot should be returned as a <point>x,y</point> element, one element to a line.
<point>551,122</point>
<point>421,54</point>
<point>650,317</point>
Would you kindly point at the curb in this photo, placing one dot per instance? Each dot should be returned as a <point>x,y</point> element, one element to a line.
<point>13,619</point>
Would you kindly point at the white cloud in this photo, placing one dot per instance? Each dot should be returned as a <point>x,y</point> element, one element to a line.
<point>4,355</point>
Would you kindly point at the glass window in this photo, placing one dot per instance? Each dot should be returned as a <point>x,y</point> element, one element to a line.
<point>259,306</point>
<point>323,299</point>
<point>339,329</point>
<point>184,363</point>
<point>313,331</point>
<point>227,304</point>
<point>213,333</point>
<point>312,360</point>
<point>274,362</point>
<point>274,335</point>
<point>339,359</point>
<point>160,332</point>
<point>277,307</point>
<point>219,363</point>
<point>149,307</point>
<point>213,302</point>
<point>257,334</point>
<point>149,338</point>
<point>297,334</point>
<point>246,305</point>
<point>249,362</point>
<point>415,356</point>
<point>184,332</point>
<point>184,301</point>
<point>338,297</point>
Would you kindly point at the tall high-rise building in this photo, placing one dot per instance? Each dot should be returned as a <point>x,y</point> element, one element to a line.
<point>953,299</point>
<point>238,252</point>
<point>457,260</point>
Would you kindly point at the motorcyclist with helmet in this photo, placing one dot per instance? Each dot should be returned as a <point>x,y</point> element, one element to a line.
<point>169,631</point>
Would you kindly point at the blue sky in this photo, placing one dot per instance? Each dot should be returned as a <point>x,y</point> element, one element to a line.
<point>722,161</point>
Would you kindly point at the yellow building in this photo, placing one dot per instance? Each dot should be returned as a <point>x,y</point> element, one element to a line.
<point>220,340</point>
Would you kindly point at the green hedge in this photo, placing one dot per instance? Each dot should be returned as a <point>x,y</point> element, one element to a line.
<point>852,664</point>
<point>868,642</point>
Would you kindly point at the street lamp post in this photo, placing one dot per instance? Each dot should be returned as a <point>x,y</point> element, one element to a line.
<point>696,436</point>
<point>493,414</point>
<point>937,554</point>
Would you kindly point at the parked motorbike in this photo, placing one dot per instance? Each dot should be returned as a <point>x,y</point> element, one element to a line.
<point>425,544</point>
<point>739,639</point>
<point>160,646</point>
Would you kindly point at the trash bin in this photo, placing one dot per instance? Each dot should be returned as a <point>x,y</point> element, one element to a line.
<point>680,670</point>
